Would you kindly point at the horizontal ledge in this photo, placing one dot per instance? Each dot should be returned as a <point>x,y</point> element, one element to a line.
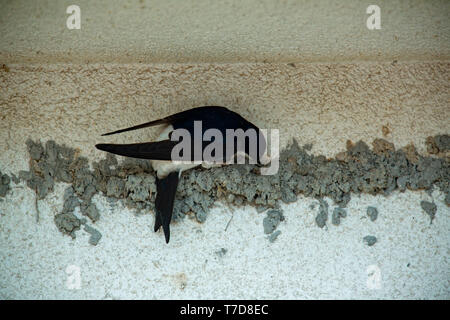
<point>124,58</point>
<point>196,31</point>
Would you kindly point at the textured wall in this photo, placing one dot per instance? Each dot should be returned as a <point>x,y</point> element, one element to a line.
<point>223,31</point>
<point>323,104</point>
<point>309,68</point>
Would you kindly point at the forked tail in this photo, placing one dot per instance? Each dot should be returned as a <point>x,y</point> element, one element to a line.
<point>165,196</point>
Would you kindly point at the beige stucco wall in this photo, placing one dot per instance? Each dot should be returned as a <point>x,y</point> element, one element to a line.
<point>223,31</point>
<point>123,67</point>
<point>323,104</point>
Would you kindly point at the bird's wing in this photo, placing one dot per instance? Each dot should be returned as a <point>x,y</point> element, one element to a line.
<point>158,150</point>
<point>140,126</point>
<point>180,116</point>
<point>165,196</point>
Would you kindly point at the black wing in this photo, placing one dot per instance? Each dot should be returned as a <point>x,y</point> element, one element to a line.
<point>191,114</point>
<point>140,126</point>
<point>158,150</point>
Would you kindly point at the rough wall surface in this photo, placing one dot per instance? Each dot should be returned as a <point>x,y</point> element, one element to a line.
<point>223,31</point>
<point>322,104</point>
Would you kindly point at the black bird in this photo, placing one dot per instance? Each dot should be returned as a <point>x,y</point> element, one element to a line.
<point>160,152</point>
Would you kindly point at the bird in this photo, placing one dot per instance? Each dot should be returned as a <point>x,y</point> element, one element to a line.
<point>195,121</point>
